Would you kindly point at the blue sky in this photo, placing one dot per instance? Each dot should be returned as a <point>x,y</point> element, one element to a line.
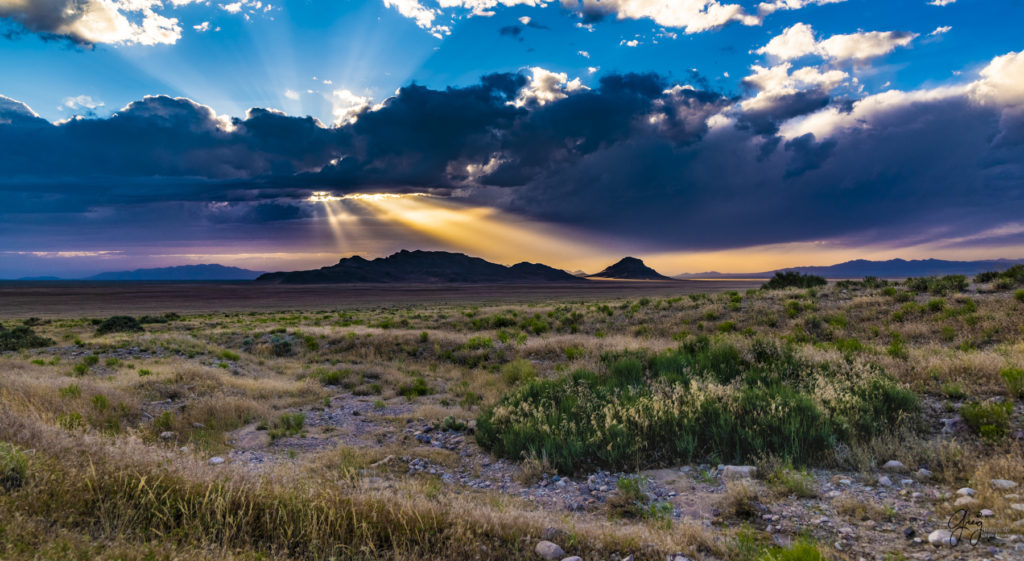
<point>792,89</point>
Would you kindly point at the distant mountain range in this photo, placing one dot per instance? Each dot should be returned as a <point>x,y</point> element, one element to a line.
<point>180,273</point>
<point>894,268</point>
<point>629,268</point>
<point>422,267</point>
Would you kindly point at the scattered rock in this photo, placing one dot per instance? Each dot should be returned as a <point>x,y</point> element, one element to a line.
<point>909,532</point>
<point>739,472</point>
<point>924,473</point>
<point>965,492</point>
<point>216,461</point>
<point>894,466</point>
<point>198,426</point>
<point>168,435</point>
<point>677,557</point>
<point>573,558</point>
<point>1003,484</point>
<point>1017,506</point>
<point>885,481</point>
<point>965,501</point>
<point>986,513</point>
<point>549,550</point>
<point>939,538</point>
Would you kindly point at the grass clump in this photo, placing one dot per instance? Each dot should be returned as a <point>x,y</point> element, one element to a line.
<point>13,467</point>
<point>518,371</point>
<point>990,420</point>
<point>631,500</point>
<point>1014,378</point>
<point>643,410</point>
<point>793,279</point>
<point>417,388</point>
<point>119,324</point>
<point>21,337</point>
<point>288,424</point>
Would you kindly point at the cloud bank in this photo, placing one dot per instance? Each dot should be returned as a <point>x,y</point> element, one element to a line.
<point>634,155</point>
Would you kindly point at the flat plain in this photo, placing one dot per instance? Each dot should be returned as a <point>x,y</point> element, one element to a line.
<point>708,421</point>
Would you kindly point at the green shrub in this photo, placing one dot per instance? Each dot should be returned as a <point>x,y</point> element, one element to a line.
<point>573,353</point>
<point>788,481</point>
<point>1014,378</point>
<point>22,337</point>
<point>229,355</point>
<point>90,360</point>
<point>643,411</point>
<point>479,342</point>
<point>417,388</point>
<point>802,550</point>
<point>80,369</point>
<point>13,467</point>
<point>793,279</point>
<point>1014,276</point>
<point>727,327</point>
<point>331,377</point>
<point>936,305</point>
<point>119,324</point>
<point>953,390</point>
<point>519,370</point>
<point>630,500</point>
<point>71,391</point>
<point>897,348</point>
<point>288,424</point>
<point>991,421</point>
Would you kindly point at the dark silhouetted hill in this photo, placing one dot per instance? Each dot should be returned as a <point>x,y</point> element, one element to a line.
<point>180,273</point>
<point>630,268</point>
<point>422,267</point>
<point>893,268</point>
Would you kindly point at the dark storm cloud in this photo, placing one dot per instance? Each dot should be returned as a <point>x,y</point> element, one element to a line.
<point>635,156</point>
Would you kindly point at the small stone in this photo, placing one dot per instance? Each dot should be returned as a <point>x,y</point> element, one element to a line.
<point>909,532</point>
<point>894,466</point>
<point>677,557</point>
<point>552,534</point>
<point>1011,497</point>
<point>198,426</point>
<point>216,461</point>
<point>939,538</point>
<point>573,558</point>
<point>986,513</point>
<point>846,481</point>
<point>1003,484</point>
<point>1017,506</point>
<point>549,550</point>
<point>905,482</point>
<point>965,492</point>
<point>885,481</point>
<point>965,501</point>
<point>739,472</point>
<point>924,473</point>
<point>168,435</point>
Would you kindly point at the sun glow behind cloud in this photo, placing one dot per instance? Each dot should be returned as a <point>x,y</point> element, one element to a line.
<point>450,224</point>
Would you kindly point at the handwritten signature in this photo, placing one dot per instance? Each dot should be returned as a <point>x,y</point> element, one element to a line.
<point>960,523</point>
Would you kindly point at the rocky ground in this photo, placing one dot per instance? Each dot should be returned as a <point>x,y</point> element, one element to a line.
<point>861,515</point>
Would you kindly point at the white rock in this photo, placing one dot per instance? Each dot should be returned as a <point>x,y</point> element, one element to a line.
<point>885,481</point>
<point>1003,484</point>
<point>965,501</point>
<point>216,461</point>
<point>549,550</point>
<point>168,435</point>
<point>965,492</point>
<point>739,472</point>
<point>894,466</point>
<point>1017,506</point>
<point>939,538</point>
<point>924,473</point>
<point>906,482</point>
<point>986,513</point>
<point>573,558</point>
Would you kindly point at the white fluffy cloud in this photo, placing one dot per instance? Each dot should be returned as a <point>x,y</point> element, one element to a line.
<point>347,106</point>
<point>1002,81</point>
<point>692,16</point>
<point>119,22</point>
<point>544,86</point>
<point>422,15</point>
<point>941,2</point>
<point>80,102</point>
<point>941,30</point>
<point>486,7</point>
<point>798,40</point>
<point>765,8</point>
